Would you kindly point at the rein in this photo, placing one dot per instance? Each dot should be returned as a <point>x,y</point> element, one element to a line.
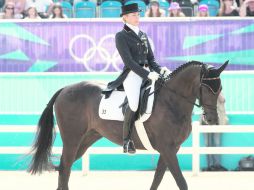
<point>162,80</point>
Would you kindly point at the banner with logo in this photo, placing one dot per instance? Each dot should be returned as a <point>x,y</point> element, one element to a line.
<point>81,46</point>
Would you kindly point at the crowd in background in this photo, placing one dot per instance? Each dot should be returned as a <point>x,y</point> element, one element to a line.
<point>227,8</point>
<point>40,9</point>
<point>32,9</point>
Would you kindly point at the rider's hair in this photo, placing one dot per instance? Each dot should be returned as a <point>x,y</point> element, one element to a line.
<point>124,20</point>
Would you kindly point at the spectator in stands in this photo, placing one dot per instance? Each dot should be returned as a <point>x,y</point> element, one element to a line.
<point>32,13</point>
<point>19,10</point>
<point>19,7</point>
<point>8,11</point>
<point>43,7</point>
<point>175,10</point>
<point>227,8</point>
<point>203,11</point>
<point>247,8</point>
<point>57,12</point>
<point>214,139</point>
<point>154,10</point>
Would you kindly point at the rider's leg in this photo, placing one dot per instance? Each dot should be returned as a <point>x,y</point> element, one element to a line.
<point>129,119</point>
<point>132,85</point>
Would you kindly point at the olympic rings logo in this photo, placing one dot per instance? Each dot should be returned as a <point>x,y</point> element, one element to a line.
<point>108,56</point>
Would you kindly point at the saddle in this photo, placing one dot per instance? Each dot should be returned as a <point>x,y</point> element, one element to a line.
<point>115,101</point>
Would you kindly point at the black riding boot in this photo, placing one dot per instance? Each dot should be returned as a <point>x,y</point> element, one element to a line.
<point>129,119</point>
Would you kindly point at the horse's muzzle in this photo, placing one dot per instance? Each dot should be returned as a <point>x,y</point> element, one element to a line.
<point>211,118</point>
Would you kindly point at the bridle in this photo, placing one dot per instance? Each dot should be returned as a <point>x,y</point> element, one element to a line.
<point>162,80</point>
<point>201,103</point>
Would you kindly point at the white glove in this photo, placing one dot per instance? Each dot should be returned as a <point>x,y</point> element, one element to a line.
<point>153,76</point>
<point>165,70</point>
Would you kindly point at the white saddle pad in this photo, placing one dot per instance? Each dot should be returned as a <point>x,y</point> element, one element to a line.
<point>110,109</point>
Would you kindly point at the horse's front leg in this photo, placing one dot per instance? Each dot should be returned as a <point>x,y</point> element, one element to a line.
<point>159,173</point>
<point>171,161</point>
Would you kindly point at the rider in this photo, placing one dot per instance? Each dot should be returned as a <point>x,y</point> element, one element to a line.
<point>139,63</point>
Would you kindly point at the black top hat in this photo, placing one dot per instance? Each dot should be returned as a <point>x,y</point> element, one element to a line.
<point>130,8</point>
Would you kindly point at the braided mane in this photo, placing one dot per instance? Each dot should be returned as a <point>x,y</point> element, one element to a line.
<point>184,66</point>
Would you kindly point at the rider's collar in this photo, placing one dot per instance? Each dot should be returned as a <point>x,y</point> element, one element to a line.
<point>134,28</point>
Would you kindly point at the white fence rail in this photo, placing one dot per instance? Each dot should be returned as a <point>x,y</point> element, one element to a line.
<point>195,150</point>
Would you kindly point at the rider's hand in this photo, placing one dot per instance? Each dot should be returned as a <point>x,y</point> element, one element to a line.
<point>165,70</point>
<point>153,76</point>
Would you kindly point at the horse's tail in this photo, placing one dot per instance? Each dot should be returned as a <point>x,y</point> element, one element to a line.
<point>45,137</point>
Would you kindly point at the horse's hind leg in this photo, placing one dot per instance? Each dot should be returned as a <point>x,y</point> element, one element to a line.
<point>68,157</point>
<point>71,143</point>
<point>90,138</point>
<point>72,152</point>
<point>159,173</point>
<point>169,156</point>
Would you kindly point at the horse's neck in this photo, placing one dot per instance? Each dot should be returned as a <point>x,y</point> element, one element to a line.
<point>183,89</point>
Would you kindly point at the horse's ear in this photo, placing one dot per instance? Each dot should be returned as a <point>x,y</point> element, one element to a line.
<point>219,70</point>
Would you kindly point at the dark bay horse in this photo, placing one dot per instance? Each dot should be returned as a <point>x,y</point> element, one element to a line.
<point>76,110</point>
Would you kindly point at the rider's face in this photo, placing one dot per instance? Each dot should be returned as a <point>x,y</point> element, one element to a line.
<point>132,18</point>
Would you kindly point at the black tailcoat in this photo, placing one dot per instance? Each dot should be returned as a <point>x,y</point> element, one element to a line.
<point>135,52</point>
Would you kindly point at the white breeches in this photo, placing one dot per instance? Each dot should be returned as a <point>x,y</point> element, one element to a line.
<point>132,85</point>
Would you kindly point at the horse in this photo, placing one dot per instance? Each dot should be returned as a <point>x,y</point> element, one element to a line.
<point>76,111</point>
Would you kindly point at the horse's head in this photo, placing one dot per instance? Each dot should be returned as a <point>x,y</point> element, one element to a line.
<point>209,91</point>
